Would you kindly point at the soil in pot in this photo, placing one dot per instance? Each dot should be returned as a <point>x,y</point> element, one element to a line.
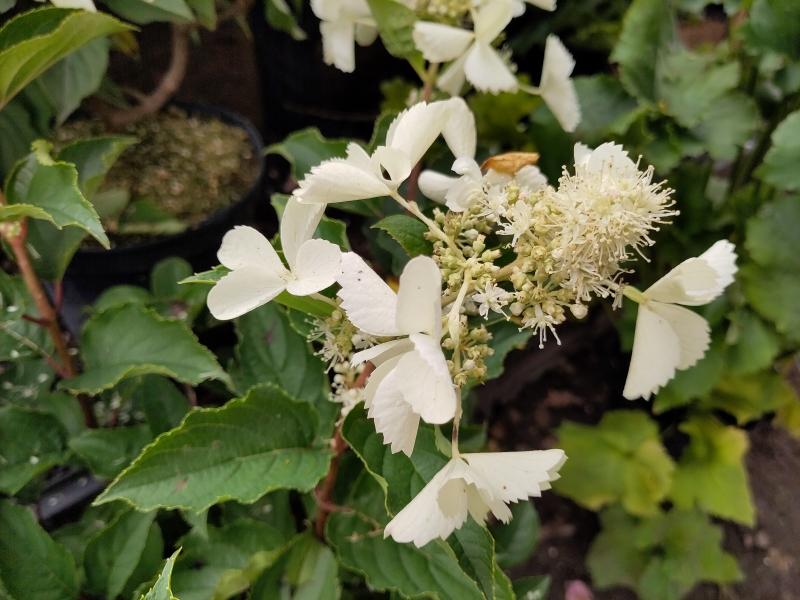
<point>183,169</point>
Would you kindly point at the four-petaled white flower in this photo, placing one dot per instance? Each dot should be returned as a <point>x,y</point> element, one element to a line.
<point>668,336</point>
<point>474,484</point>
<point>257,273</point>
<point>84,4</point>
<point>411,378</point>
<point>473,56</point>
<point>342,24</point>
<point>361,176</point>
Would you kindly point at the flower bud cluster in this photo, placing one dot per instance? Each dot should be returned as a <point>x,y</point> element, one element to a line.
<point>344,389</point>
<point>474,348</point>
<point>338,339</point>
<point>444,11</point>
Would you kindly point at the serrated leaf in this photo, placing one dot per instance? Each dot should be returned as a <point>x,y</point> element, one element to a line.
<point>31,443</point>
<point>161,402</point>
<point>774,25</point>
<point>395,23</point>
<point>620,459</point>
<point>312,571</point>
<point>754,345</point>
<point>606,108</point>
<point>34,41</point>
<point>19,338</point>
<point>749,397</point>
<point>661,558</point>
<point>728,125</point>
<point>32,565</point>
<point>271,351</point>
<point>162,588</point>
<point>516,540</point>
<point>780,164</point>
<point>647,29</point>
<point>108,451</point>
<point>711,473</point>
<point>40,181</point>
<point>113,554</point>
<point>771,232</point>
<point>131,340</point>
<point>251,446</point>
<point>408,232</point>
<point>16,212</point>
<point>307,148</point>
<point>773,293</point>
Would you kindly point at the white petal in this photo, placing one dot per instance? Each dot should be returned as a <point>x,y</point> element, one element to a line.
<point>339,180</point>
<point>366,34</point>
<point>368,301</point>
<point>422,519</point>
<point>667,338</point>
<point>428,388</point>
<point>459,129</point>
<point>441,43</point>
<point>338,44</point>
<point>376,377</point>
<point>394,419</point>
<point>452,78</point>
<point>491,19</point>
<point>419,299</point>
<point>531,177</point>
<point>326,10</point>
<point>435,185</point>
<point>243,290</point>
<point>244,246</point>
<point>543,4</point>
<point>379,354</point>
<point>298,223</point>
<point>415,129</point>
<point>318,266</point>
<point>556,87</point>
<point>84,4</point>
<point>395,162</point>
<point>515,476</point>
<point>486,70</point>
<point>608,157</point>
<point>697,280</point>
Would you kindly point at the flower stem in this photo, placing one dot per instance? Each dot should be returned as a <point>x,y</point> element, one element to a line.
<point>631,293</point>
<point>325,299</point>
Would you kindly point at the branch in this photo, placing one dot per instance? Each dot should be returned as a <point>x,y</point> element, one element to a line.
<point>170,82</point>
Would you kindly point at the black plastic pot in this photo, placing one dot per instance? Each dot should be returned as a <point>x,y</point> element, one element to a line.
<point>94,270</point>
<point>299,90</point>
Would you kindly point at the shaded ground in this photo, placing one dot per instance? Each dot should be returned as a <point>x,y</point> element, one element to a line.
<point>579,381</point>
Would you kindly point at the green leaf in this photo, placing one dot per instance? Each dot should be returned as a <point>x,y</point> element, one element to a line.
<point>711,473</point>
<point>475,549</point>
<point>773,293</point>
<point>647,29</point>
<point>692,383</point>
<point>92,158</point>
<point>774,25</point>
<point>408,232</point>
<point>40,181</point>
<point>748,398</point>
<point>271,351</point>
<point>532,588</point>
<point>108,451</point>
<point>728,125</point>
<point>505,338</point>
<point>754,344</point>
<point>32,565</point>
<point>163,405</point>
<point>280,16</point>
<point>113,553</point>
<point>516,540</point>
<point>162,588</point>
<point>120,295</point>
<point>34,41</point>
<point>663,557</point>
<point>432,570</point>
<point>205,12</point>
<point>72,79</point>
<point>312,571</point>
<point>126,341</point>
<point>31,443</point>
<point>227,560</point>
<point>772,231</point>
<point>143,12</point>
<point>395,23</point>
<point>19,338</point>
<point>307,148</point>
<point>17,212</point>
<point>172,299</point>
<point>252,445</point>
<point>780,164</point>
<point>606,108</point>
<point>620,459</point>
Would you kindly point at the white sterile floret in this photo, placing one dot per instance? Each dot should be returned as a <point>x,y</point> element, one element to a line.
<point>84,4</point>
<point>342,24</point>
<point>257,273</point>
<point>411,378</point>
<point>474,484</point>
<point>361,176</point>
<point>556,87</point>
<point>471,52</point>
<point>670,337</point>
<point>493,298</point>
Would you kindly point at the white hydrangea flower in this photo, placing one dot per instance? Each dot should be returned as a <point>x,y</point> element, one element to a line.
<point>411,378</point>
<point>493,298</point>
<point>83,4</point>
<point>556,88</point>
<point>668,336</point>
<point>474,484</point>
<point>257,273</point>
<point>342,24</point>
<point>471,52</point>
<point>361,176</point>
<point>517,221</point>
